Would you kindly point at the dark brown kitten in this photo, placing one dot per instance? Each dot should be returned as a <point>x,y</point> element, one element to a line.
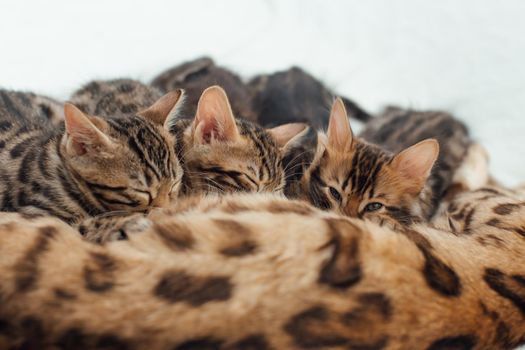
<point>29,106</point>
<point>195,76</point>
<point>89,165</point>
<point>293,96</point>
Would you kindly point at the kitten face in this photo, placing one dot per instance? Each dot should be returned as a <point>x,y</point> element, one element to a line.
<point>125,163</point>
<point>228,155</point>
<point>358,179</point>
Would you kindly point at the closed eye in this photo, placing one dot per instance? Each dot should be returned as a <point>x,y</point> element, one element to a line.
<point>335,194</point>
<point>150,197</point>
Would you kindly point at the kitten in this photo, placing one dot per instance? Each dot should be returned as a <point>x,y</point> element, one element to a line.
<point>29,106</point>
<point>115,97</point>
<point>219,153</point>
<point>295,96</point>
<point>89,165</point>
<point>195,76</point>
<point>360,179</point>
<point>225,154</point>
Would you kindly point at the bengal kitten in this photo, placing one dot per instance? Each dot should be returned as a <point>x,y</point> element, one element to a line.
<point>223,154</point>
<point>195,76</point>
<point>29,106</point>
<point>219,153</point>
<point>294,95</point>
<point>394,181</point>
<point>116,97</point>
<point>89,165</point>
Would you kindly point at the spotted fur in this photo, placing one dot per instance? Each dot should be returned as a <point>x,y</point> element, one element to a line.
<point>313,279</point>
<point>115,97</point>
<point>196,75</point>
<point>40,109</point>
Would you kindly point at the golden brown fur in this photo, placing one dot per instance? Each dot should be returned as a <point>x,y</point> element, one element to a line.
<point>261,272</point>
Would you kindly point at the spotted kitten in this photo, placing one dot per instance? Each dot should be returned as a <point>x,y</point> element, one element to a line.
<point>32,107</point>
<point>197,75</point>
<point>89,165</point>
<point>391,182</point>
<point>261,272</point>
<point>115,97</point>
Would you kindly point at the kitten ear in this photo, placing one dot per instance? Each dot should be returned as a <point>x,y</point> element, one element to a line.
<point>214,117</point>
<point>82,132</point>
<point>415,163</point>
<point>164,110</point>
<point>282,134</point>
<point>339,132</point>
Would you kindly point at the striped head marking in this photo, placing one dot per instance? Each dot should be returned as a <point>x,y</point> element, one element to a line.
<point>362,180</point>
<point>125,163</point>
<point>225,154</point>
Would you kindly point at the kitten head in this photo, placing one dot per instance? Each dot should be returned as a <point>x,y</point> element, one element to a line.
<point>224,154</point>
<point>125,163</point>
<point>362,180</point>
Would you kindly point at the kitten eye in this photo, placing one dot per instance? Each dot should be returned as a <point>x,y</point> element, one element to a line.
<point>335,194</point>
<point>374,206</point>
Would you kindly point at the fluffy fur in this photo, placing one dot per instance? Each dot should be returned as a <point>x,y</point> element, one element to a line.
<point>243,272</point>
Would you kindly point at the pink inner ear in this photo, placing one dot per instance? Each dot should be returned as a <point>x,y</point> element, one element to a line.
<point>208,130</point>
<point>416,162</point>
<point>339,131</point>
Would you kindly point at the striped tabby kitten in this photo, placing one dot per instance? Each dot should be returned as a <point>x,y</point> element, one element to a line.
<point>115,97</point>
<point>29,106</point>
<point>196,75</point>
<point>89,165</point>
<point>360,179</point>
<point>219,152</point>
<point>225,154</point>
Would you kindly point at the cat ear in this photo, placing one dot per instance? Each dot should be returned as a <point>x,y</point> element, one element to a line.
<point>214,117</point>
<point>164,110</point>
<point>415,163</point>
<point>282,134</point>
<point>82,132</point>
<point>339,132</point>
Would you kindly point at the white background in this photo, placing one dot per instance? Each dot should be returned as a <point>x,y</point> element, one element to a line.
<point>465,56</point>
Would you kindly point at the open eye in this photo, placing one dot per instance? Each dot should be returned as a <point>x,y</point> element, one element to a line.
<point>374,206</point>
<point>335,194</point>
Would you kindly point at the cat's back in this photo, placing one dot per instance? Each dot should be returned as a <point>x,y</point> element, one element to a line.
<point>293,95</point>
<point>396,129</point>
<point>114,97</point>
<point>197,75</point>
<point>30,109</point>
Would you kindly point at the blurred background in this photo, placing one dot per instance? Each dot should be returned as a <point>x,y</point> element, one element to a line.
<point>467,57</point>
